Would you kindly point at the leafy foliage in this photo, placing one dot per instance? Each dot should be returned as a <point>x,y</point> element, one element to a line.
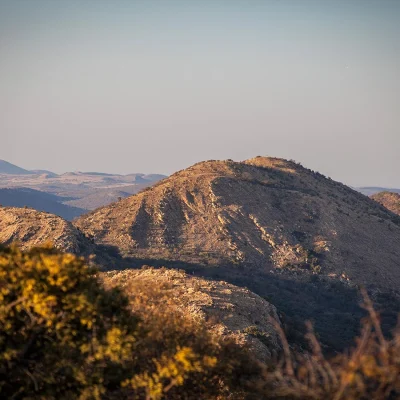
<point>61,333</point>
<point>64,336</point>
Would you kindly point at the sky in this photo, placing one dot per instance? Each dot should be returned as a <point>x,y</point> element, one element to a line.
<point>127,86</point>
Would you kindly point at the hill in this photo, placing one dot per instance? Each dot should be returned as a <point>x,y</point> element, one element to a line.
<point>41,201</point>
<point>266,213</point>
<point>32,228</point>
<point>45,172</point>
<point>8,168</point>
<point>390,200</point>
<point>300,240</point>
<point>100,197</point>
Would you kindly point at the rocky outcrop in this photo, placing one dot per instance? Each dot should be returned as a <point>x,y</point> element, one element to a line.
<point>228,309</point>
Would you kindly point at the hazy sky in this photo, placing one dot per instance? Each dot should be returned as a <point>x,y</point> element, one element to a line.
<point>155,86</point>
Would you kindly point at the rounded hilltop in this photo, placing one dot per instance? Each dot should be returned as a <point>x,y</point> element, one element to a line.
<point>224,166</point>
<point>268,213</point>
<point>32,228</point>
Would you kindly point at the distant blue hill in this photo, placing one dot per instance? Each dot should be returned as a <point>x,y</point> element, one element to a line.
<point>11,169</point>
<point>43,171</point>
<point>41,201</point>
<point>99,174</point>
<point>8,168</point>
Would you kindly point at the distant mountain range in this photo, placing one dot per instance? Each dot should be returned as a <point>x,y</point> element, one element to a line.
<point>43,172</point>
<point>70,194</point>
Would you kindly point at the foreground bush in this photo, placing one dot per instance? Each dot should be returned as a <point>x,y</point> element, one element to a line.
<point>63,336</point>
<point>369,371</point>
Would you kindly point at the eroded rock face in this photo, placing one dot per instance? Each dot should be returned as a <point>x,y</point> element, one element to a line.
<point>33,228</point>
<point>267,213</point>
<point>230,310</point>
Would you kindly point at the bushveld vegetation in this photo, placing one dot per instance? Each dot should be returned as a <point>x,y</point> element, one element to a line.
<point>63,335</point>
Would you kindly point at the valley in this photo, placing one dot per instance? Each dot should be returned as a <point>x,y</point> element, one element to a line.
<point>70,194</point>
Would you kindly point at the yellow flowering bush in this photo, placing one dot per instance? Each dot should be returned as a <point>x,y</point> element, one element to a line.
<point>61,334</point>
<point>170,372</point>
<point>64,336</point>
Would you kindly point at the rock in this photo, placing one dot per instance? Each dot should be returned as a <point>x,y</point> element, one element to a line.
<point>231,310</point>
